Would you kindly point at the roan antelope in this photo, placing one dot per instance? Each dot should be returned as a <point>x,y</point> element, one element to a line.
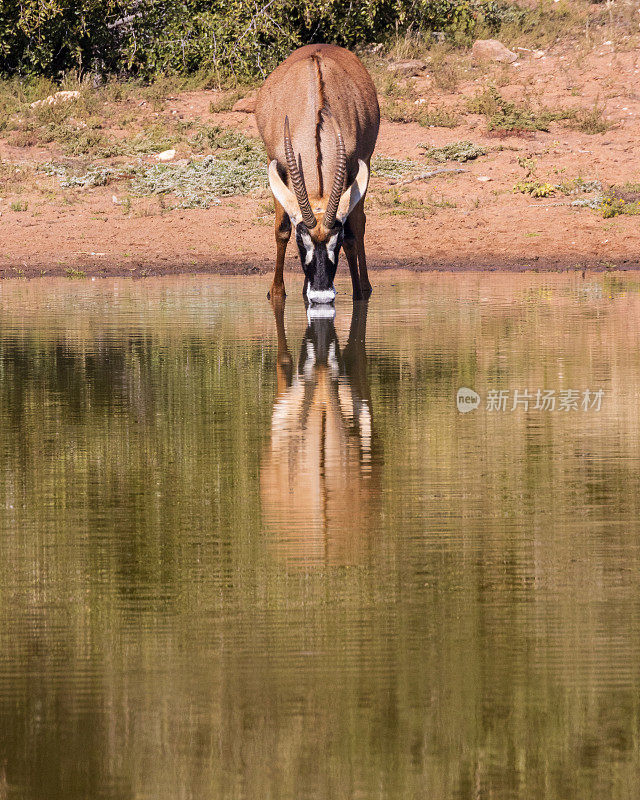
<point>320,475</point>
<point>320,107</point>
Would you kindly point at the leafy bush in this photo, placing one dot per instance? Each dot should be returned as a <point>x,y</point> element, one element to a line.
<point>234,38</point>
<point>502,115</point>
<point>535,188</point>
<point>613,206</point>
<point>237,168</point>
<point>456,151</point>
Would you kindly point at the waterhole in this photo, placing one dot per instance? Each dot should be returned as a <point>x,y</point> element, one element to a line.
<point>248,552</point>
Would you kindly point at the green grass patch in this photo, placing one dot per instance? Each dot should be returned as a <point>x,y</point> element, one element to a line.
<point>456,151</point>
<point>591,121</point>
<point>504,116</point>
<point>539,188</point>
<point>393,168</point>
<point>94,176</point>
<point>398,203</point>
<point>200,182</point>
<point>238,167</point>
<point>437,118</point>
<point>226,102</point>
<point>579,186</point>
<point>396,110</point>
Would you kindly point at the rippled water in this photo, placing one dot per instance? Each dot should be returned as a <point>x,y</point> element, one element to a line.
<point>247,555</point>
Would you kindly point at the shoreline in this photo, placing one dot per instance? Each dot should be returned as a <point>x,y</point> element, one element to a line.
<point>82,270</point>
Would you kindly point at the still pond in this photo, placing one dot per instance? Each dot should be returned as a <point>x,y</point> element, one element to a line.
<point>254,555</point>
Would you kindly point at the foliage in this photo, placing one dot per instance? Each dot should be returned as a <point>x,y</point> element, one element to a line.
<point>396,110</point>
<point>503,115</point>
<point>535,188</point>
<point>200,182</point>
<point>94,176</point>
<point>613,206</point>
<point>590,121</point>
<point>239,168</point>
<point>456,151</point>
<point>579,186</point>
<point>437,118</point>
<point>395,168</point>
<point>237,38</point>
<point>538,188</point>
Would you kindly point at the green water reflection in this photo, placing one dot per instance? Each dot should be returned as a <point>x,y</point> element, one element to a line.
<point>247,555</point>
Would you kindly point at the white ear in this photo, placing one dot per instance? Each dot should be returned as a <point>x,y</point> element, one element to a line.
<point>354,193</point>
<point>283,194</point>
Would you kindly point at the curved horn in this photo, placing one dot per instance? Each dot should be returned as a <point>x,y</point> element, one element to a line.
<point>297,180</point>
<point>338,179</point>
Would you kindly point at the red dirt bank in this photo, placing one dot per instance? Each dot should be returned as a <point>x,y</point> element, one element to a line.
<point>486,226</point>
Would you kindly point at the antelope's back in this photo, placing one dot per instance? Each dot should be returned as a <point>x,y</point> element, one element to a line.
<point>312,78</point>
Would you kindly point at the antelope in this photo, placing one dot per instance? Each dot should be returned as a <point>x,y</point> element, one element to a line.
<point>319,477</point>
<point>321,104</point>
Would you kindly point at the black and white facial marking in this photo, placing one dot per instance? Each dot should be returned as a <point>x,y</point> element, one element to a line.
<point>319,262</point>
<point>320,348</point>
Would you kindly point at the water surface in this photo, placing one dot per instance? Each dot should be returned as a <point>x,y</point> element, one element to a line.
<point>247,555</point>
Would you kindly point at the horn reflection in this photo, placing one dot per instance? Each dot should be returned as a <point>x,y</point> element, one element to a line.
<point>319,478</point>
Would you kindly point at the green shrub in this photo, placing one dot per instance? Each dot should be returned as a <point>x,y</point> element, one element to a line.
<point>535,188</point>
<point>614,206</point>
<point>590,121</point>
<point>456,151</point>
<point>233,39</point>
<point>503,115</point>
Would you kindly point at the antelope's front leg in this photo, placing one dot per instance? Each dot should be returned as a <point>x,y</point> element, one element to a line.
<point>351,252</point>
<point>358,221</point>
<point>283,234</point>
<point>284,362</point>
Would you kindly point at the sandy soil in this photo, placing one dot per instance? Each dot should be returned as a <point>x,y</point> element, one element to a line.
<point>487,226</point>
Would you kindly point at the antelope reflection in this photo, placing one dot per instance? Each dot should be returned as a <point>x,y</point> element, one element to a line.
<point>319,481</point>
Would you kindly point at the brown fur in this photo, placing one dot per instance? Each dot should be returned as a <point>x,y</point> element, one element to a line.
<point>314,78</point>
<point>319,476</point>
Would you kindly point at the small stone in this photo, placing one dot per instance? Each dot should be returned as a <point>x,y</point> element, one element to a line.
<point>483,178</point>
<point>538,53</point>
<point>166,155</point>
<point>246,105</point>
<point>492,50</point>
<point>408,68</point>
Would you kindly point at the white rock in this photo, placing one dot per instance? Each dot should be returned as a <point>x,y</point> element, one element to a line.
<point>166,155</point>
<point>492,50</point>
<point>54,99</point>
<point>483,178</point>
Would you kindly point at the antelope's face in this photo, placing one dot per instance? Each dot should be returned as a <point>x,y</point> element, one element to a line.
<point>319,231</point>
<point>319,250</point>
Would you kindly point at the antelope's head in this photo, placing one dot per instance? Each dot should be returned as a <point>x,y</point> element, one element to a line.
<point>319,230</point>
